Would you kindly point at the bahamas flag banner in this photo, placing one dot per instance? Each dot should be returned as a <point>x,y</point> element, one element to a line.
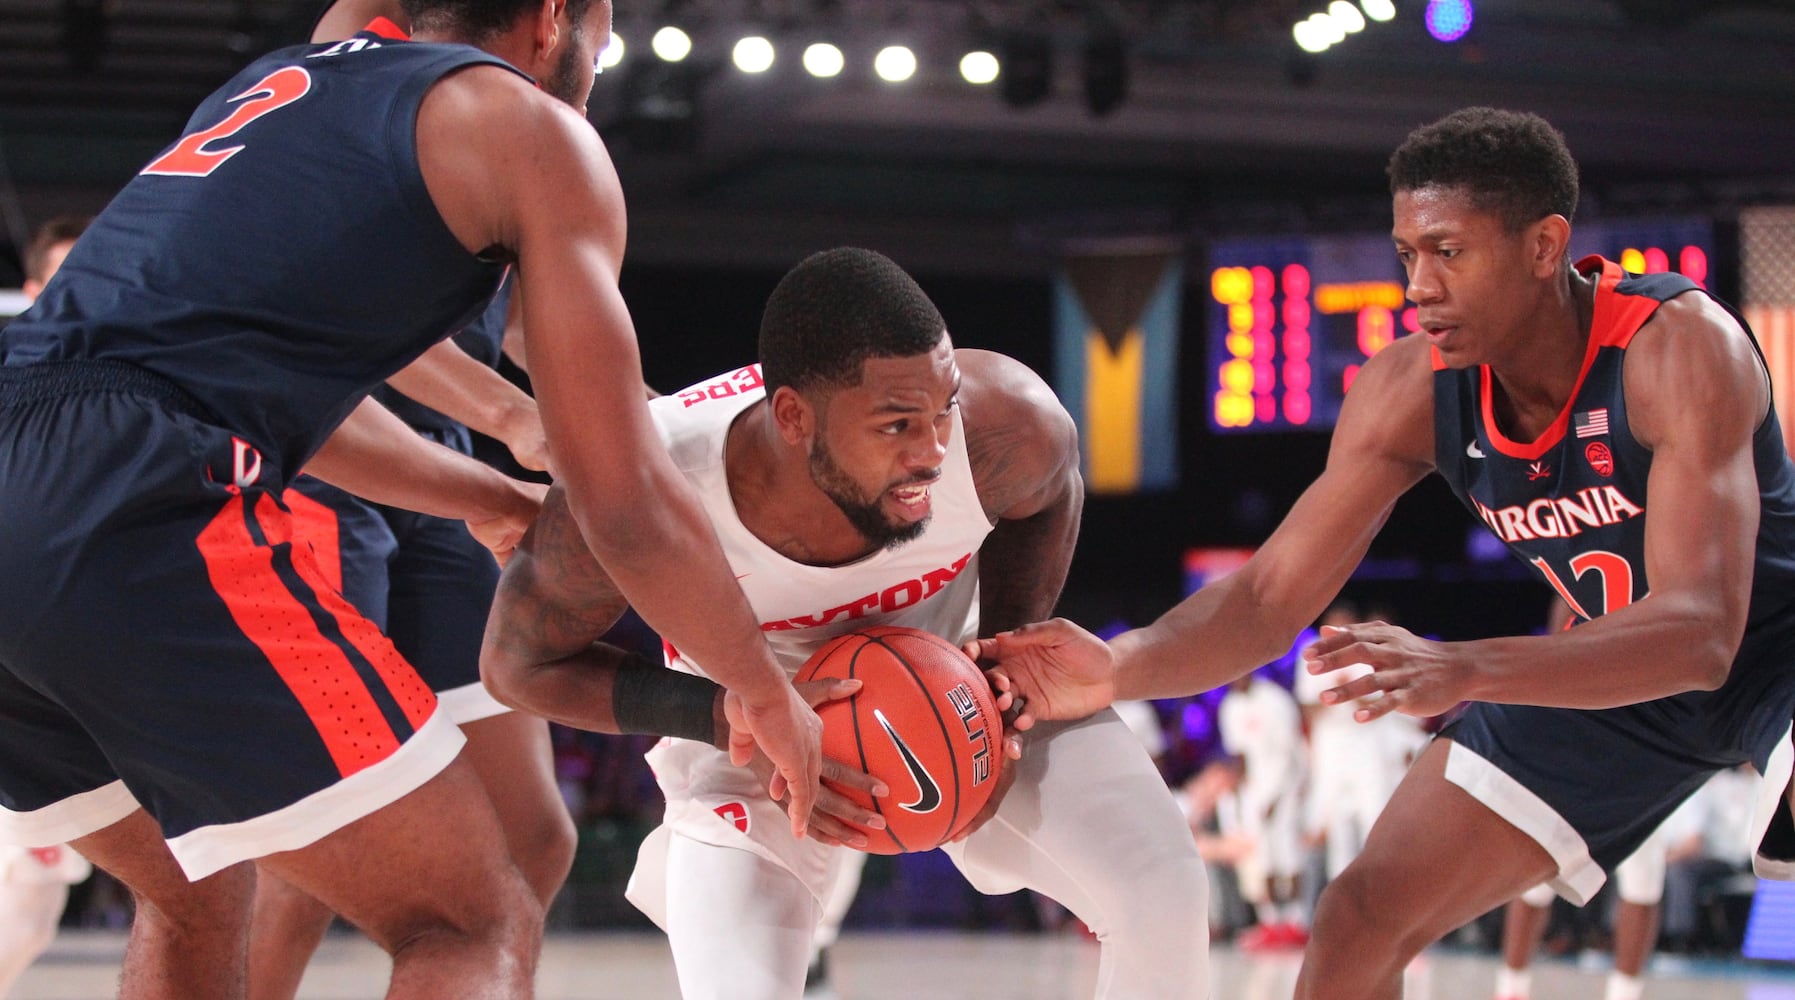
<point>1116,364</point>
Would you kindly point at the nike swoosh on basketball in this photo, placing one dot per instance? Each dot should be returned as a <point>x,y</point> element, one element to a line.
<point>1472,449</point>
<point>928,794</point>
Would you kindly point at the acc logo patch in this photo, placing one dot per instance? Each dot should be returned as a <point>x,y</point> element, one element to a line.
<point>734,813</point>
<point>1600,458</point>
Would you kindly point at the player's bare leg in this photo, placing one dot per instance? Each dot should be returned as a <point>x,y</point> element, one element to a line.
<point>288,926</point>
<point>514,758</point>
<point>1524,922</point>
<point>1436,858</point>
<point>189,940</point>
<point>1635,935</point>
<point>475,935</point>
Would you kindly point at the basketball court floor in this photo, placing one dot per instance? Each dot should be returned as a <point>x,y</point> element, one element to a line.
<point>83,965</point>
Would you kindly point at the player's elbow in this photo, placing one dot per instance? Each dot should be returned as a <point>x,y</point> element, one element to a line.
<point>502,676</point>
<point>1712,665</point>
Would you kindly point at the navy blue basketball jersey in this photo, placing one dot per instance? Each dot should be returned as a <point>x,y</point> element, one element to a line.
<point>284,256</point>
<point>484,339</point>
<point>1572,504</point>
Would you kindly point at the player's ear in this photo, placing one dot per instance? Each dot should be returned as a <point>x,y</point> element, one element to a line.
<point>792,414</point>
<point>1551,238</point>
<point>548,26</point>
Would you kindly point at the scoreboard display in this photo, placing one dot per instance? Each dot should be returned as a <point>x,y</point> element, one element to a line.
<point>1291,319</point>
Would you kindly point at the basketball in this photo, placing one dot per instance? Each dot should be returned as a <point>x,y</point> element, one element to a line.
<point>924,722</point>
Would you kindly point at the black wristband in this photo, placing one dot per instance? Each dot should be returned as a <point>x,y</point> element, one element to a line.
<point>650,699</point>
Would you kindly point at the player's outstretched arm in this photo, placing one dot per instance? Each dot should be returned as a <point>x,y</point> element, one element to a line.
<point>539,182</point>
<point>1383,444</point>
<point>456,384</point>
<point>1696,393</point>
<point>374,455</point>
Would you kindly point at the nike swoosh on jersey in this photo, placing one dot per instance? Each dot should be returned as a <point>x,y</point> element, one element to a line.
<point>928,794</point>
<point>1472,449</point>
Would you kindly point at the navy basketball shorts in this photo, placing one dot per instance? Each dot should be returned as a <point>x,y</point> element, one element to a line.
<point>424,580</point>
<point>166,643</point>
<point>1591,786</point>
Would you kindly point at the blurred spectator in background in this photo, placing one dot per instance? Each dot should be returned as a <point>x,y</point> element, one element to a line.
<point>1353,767</point>
<point>1260,725</point>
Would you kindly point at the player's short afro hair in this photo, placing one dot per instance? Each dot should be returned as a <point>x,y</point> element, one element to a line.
<point>1514,164</point>
<point>836,309</point>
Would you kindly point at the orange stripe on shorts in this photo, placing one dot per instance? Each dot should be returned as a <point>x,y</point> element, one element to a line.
<point>317,524</point>
<point>320,676</point>
<point>414,696</point>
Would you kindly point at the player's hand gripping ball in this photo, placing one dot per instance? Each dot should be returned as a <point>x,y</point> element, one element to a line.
<point>924,722</point>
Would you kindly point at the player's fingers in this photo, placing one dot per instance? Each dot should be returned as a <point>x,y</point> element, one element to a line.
<point>1375,709</point>
<point>1003,700</point>
<point>836,806</point>
<point>1332,637</point>
<point>829,689</point>
<point>741,747</point>
<point>829,830</point>
<point>1345,656</point>
<point>1012,747</point>
<point>1357,688</point>
<point>842,775</point>
<point>1017,717</point>
<point>802,788</point>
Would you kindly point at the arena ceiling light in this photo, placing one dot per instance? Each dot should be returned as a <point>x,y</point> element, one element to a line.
<point>1449,20</point>
<point>1344,14</point>
<point>1378,10</point>
<point>979,67</point>
<point>612,53</point>
<point>823,60</point>
<point>671,44</point>
<point>895,63</point>
<point>752,54</point>
<point>1318,33</point>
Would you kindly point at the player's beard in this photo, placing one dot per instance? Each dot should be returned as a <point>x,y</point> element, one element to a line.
<point>563,82</point>
<point>866,515</point>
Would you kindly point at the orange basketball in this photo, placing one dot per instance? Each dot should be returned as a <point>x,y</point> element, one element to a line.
<point>924,722</point>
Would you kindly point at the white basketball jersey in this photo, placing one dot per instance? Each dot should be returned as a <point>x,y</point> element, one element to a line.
<point>929,582</point>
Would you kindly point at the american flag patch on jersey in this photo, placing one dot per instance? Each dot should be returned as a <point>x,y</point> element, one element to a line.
<point>1589,423</point>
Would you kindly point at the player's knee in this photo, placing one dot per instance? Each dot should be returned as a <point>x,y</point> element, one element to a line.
<point>498,913</point>
<point>545,853</point>
<point>1165,905</point>
<point>1351,907</point>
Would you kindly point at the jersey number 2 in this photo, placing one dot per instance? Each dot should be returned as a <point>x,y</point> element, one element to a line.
<point>191,158</point>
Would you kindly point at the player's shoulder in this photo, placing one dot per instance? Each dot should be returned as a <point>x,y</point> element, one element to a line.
<point>1692,337</point>
<point>1388,412</point>
<point>1693,354</point>
<point>999,393</point>
<point>1021,443</point>
<point>497,97</point>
